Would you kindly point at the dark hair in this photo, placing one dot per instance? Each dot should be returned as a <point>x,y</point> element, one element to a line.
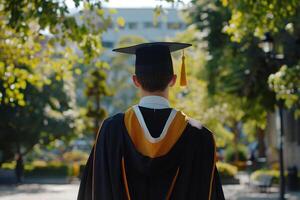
<point>153,82</point>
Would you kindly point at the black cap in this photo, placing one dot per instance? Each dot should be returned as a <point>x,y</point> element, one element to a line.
<point>153,57</point>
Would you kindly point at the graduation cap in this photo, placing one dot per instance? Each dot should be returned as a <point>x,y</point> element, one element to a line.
<point>155,57</point>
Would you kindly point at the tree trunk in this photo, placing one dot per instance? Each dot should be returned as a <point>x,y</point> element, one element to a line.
<point>235,142</point>
<point>96,122</point>
<point>260,134</point>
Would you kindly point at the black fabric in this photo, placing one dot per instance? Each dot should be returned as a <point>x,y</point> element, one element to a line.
<point>150,178</point>
<point>153,58</point>
<point>155,119</point>
<point>217,193</point>
<point>173,46</point>
<point>85,189</point>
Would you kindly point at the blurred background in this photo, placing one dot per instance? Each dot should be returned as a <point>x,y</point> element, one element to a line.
<point>59,80</point>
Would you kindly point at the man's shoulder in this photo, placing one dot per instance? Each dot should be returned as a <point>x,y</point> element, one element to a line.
<point>116,118</point>
<point>198,130</point>
<point>196,124</point>
<point>199,135</point>
<point>111,126</point>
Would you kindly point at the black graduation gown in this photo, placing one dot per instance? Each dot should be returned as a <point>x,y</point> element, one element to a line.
<point>183,173</point>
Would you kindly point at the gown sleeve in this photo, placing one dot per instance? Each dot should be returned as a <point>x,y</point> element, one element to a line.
<point>217,193</point>
<point>96,172</point>
<point>85,188</point>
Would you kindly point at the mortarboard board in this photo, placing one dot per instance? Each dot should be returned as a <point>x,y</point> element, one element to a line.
<point>156,57</point>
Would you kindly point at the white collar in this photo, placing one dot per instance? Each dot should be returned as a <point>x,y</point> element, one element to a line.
<point>145,128</point>
<point>154,102</point>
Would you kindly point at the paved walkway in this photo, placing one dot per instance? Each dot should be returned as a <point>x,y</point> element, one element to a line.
<point>39,192</point>
<point>244,192</point>
<point>69,192</point>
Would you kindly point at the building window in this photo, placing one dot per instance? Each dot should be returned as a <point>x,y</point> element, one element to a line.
<point>175,25</point>
<point>110,26</point>
<point>148,25</point>
<point>107,44</point>
<point>132,25</point>
<point>157,25</point>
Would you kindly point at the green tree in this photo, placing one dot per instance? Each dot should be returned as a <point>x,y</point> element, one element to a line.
<point>96,89</point>
<point>49,114</point>
<point>40,43</point>
<point>31,61</point>
<point>281,20</point>
<point>32,31</point>
<point>194,99</point>
<point>286,84</point>
<point>258,17</point>
<point>29,69</point>
<point>236,73</point>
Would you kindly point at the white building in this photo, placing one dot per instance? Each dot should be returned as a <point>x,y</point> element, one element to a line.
<point>142,22</point>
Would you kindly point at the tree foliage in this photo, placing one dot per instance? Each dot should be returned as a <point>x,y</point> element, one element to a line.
<point>45,37</point>
<point>195,100</point>
<point>46,117</point>
<point>96,89</point>
<point>41,45</point>
<point>281,20</point>
<point>286,84</point>
<point>31,61</point>
<point>258,17</point>
<point>238,72</point>
<point>233,31</point>
<point>233,70</point>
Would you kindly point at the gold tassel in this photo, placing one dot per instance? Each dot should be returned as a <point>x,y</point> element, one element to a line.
<point>183,81</point>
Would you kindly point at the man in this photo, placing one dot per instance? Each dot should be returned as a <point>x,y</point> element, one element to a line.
<point>152,151</point>
<point>19,168</point>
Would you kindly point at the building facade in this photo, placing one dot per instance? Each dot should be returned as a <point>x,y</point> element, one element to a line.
<point>142,22</point>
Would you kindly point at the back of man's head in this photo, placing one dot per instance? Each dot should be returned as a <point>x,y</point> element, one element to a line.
<point>154,68</point>
<point>153,82</point>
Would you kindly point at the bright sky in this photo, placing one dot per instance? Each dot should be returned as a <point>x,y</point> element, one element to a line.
<point>132,3</point>
<point>137,3</point>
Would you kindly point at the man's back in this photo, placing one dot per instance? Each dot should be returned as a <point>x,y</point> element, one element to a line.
<point>180,164</point>
<point>152,151</point>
